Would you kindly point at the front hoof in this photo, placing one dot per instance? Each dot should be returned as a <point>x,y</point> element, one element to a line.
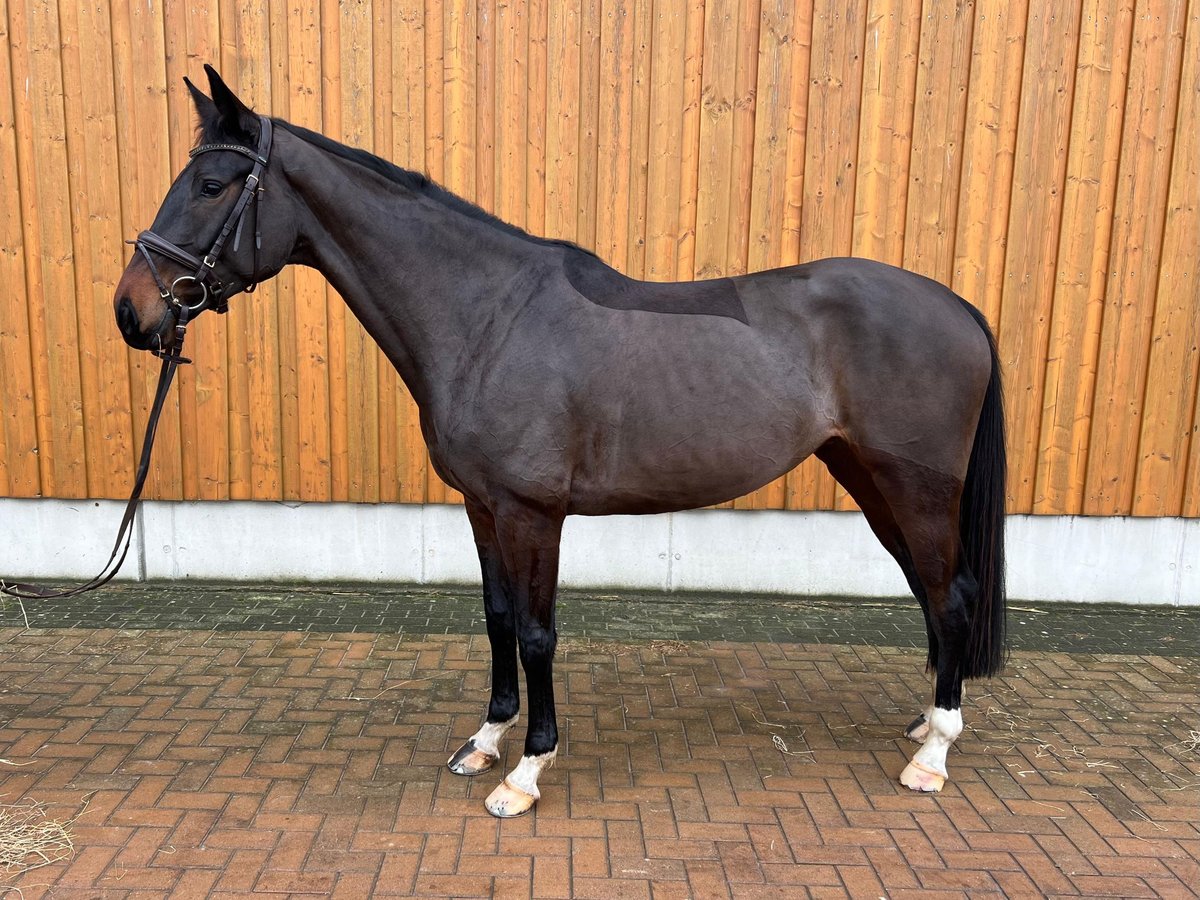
<point>508,802</point>
<point>922,778</point>
<point>470,760</point>
<point>918,729</point>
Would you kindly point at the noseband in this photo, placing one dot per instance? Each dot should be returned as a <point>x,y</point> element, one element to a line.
<point>204,273</point>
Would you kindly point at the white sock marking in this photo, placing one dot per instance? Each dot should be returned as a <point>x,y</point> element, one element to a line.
<point>489,736</point>
<point>945,725</point>
<point>525,775</point>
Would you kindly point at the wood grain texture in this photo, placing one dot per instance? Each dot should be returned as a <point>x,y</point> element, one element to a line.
<point>1106,28</point>
<point>1139,212</point>
<point>19,469</point>
<point>1035,217</point>
<point>1169,422</point>
<point>1039,157</point>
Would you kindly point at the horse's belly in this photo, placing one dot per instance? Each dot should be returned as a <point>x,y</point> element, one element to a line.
<point>690,470</point>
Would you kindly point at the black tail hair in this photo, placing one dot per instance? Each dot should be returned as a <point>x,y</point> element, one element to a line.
<point>981,526</point>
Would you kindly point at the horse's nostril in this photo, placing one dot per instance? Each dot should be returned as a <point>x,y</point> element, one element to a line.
<point>127,318</point>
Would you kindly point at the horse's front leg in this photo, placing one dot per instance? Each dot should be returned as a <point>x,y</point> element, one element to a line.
<point>482,750</point>
<point>529,545</point>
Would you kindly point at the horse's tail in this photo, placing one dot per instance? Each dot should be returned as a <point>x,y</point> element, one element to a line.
<point>981,526</point>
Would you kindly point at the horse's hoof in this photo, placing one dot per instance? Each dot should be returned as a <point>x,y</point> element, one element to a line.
<point>918,729</point>
<point>922,778</point>
<point>508,802</point>
<point>470,760</point>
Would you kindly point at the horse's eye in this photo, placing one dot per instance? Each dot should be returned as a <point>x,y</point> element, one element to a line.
<point>211,188</point>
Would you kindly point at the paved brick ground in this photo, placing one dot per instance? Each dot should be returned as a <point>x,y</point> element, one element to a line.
<point>311,763</point>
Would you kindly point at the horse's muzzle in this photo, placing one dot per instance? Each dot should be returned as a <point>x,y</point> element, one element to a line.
<point>159,337</point>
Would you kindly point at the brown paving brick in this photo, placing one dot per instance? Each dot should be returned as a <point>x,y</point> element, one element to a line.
<point>195,884</point>
<point>802,874</point>
<point>398,873</point>
<point>1112,887</point>
<point>608,888</point>
<point>453,886</point>
<point>243,870</point>
<point>589,857</point>
<point>861,881</point>
<point>670,890</point>
<point>551,876</point>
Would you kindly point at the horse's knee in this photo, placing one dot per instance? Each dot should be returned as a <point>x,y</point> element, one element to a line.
<point>537,645</point>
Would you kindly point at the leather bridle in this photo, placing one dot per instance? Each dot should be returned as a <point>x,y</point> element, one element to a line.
<point>204,274</point>
<point>204,269</point>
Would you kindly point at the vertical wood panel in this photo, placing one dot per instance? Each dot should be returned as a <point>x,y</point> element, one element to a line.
<point>1039,157</point>
<point>614,132</point>
<point>989,142</point>
<point>535,157</point>
<point>562,121</point>
<point>1168,427</point>
<point>689,165</point>
<point>939,110</point>
<point>664,141</point>
<point>486,111</point>
<point>510,82</point>
<point>886,128</point>
<point>19,475</point>
<point>96,235</point>
<point>639,147</point>
<point>1036,215</point>
<point>716,138</point>
<point>43,167</point>
<point>590,28</point>
<point>1091,181</point>
<point>1139,212</point>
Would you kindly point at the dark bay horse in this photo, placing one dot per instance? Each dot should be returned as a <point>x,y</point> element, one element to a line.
<point>550,385</point>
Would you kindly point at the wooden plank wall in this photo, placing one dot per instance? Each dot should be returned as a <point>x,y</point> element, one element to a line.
<point>1040,156</point>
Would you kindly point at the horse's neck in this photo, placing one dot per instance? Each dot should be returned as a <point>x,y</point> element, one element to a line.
<point>415,273</point>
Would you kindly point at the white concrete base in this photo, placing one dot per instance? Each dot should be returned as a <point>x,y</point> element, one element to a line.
<point>1111,560</point>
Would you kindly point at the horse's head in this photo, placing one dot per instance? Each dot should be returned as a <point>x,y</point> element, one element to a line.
<point>215,234</point>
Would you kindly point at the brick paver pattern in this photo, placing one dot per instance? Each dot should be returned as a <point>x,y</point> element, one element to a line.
<point>229,763</point>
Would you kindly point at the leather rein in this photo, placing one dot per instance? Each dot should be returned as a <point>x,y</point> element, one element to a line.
<point>214,296</point>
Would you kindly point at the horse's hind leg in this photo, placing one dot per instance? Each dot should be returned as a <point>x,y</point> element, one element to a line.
<point>852,474</point>
<point>482,750</point>
<point>914,511</point>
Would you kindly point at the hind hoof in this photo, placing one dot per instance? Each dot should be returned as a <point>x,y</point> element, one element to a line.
<point>470,760</point>
<point>918,729</point>
<point>922,778</point>
<point>508,802</point>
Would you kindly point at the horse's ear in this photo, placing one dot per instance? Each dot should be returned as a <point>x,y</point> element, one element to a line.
<point>234,118</point>
<point>205,108</point>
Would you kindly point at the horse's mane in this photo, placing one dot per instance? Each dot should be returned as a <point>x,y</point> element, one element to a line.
<point>418,183</point>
